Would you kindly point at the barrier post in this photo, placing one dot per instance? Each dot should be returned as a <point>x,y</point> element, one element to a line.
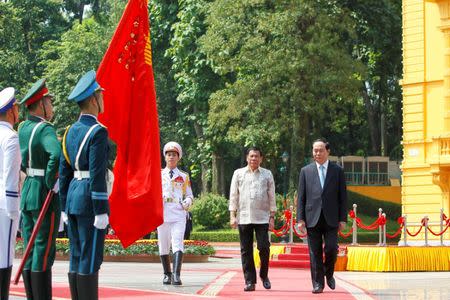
<point>355,228</point>
<point>426,230</point>
<point>291,226</point>
<point>384,230</point>
<point>405,233</point>
<point>442,226</point>
<point>380,241</point>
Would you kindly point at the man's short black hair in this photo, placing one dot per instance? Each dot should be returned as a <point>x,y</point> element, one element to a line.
<point>323,140</point>
<point>35,105</point>
<point>254,148</point>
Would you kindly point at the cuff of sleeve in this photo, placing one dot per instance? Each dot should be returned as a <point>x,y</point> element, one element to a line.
<point>99,196</point>
<point>12,201</point>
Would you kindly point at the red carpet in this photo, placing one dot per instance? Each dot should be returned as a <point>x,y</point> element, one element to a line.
<point>286,284</point>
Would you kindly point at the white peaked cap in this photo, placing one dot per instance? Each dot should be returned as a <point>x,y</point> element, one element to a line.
<point>173,146</point>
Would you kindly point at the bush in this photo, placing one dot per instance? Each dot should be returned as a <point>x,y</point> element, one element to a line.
<point>141,247</point>
<point>211,212</point>
<point>369,206</point>
<point>216,236</point>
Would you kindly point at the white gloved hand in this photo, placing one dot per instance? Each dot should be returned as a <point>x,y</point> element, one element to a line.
<point>186,203</point>
<point>101,221</point>
<point>56,187</point>
<point>13,215</point>
<point>64,217</point>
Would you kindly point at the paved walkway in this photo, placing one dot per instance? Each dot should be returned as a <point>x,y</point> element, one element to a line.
<point>221,278</point>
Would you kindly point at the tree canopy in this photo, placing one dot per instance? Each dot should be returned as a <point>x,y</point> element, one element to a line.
<point>231,74</point>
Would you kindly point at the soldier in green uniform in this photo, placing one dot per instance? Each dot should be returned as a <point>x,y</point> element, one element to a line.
<point>40,151</point>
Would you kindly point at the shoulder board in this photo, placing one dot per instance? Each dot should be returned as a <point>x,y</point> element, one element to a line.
<point>66,155</point>
<point>184,173</point>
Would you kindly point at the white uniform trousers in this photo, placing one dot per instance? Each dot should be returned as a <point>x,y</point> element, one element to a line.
<point>8,231</point>
<point>171,232</point>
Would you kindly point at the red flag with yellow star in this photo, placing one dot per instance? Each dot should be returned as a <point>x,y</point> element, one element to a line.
<point>131,117</point>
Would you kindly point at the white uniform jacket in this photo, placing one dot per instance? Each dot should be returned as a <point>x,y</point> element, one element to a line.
<point>177,194</point>
<point>10,161</point>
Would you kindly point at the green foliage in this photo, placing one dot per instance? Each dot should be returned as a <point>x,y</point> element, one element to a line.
<point>24,28</point>
<point>79,51</point>
<point>230,74</point>
<point>369,206</point>
<point>211,211</point>
<point>287,71</point>
<point>142,247</point>
<point>216,236</point>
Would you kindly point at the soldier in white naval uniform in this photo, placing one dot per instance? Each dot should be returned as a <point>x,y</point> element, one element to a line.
<point>10,160</point>
<point>177,197</point>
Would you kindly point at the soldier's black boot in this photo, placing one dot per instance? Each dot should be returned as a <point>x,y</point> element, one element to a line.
<point>87,286</point>
<point>41,285</point>
<point>177,261</point>
<point>5,279</point>
<point>166,267</point>
<point>26,275</point>
<point>73,285</point>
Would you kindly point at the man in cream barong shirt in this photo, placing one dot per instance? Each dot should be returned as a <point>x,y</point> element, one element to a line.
<point>252,209</point>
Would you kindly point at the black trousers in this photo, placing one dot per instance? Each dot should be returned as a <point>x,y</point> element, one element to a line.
<point>263,245</point>
<point>317,235</point>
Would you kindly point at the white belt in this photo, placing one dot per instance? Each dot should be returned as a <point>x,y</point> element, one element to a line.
<point>81,174</point>
<point>35,172</point>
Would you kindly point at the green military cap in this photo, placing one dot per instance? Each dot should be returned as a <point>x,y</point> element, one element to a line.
<point>36,93</point>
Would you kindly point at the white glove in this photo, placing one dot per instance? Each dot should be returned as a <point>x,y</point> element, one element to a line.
<point>101,221</point>
<point>64,217</point>
<point>13,215</point>
<point>186,203</point>
<point>56,187</point>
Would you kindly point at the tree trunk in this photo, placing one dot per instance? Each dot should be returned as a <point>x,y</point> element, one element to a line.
<point>204,167</point>
<point>373,128</point>
<point>218,174</point>
<point>81,11</point>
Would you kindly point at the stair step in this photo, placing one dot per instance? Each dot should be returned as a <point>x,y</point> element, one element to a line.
<point>293,256</point>
<point>297,250</point>
<point>292,264</point>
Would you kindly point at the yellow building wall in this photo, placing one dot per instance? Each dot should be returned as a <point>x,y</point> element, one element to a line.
<point>383,193</point>
<point>426,112</point>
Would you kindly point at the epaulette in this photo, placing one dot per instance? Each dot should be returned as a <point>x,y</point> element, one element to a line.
<point>66,155</point>
<point>183,172</point>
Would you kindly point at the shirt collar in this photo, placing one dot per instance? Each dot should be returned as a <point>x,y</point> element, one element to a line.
<point>250,170</point>
<point>325,164</point>
<point>7,124</point>
<point>167,170</point>
<point>87,115</point>
<point>35,118</point>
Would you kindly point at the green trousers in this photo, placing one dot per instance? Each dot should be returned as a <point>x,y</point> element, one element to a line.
<point>43,252</point>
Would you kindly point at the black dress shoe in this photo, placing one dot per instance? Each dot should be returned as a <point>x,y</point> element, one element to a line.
<point>249,287</point>
<point>317,289</point>
<point>331,283</point>
<point>266,283</point>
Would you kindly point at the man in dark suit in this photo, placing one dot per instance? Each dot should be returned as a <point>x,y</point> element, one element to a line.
<point>322,208</point>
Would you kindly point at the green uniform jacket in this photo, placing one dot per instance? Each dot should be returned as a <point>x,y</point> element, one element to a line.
<point>46,150</point>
